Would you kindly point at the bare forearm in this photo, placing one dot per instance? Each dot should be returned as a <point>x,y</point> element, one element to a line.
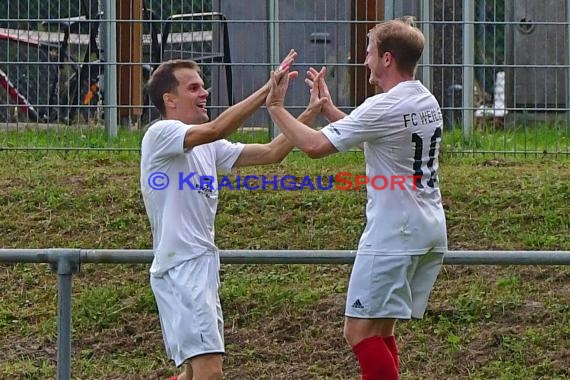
<point>332,113</point>
<point>281,145</point>
<point>275,151</point>
<point>234,116</point>
<point>227,122</point>
<point>298,133</point>
<point>263,154</point>
<point>279,148</point>
<point>308,117</point>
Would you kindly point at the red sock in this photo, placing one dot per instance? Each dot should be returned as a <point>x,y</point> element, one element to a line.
<point>375,359</point>
<point>393,347</point>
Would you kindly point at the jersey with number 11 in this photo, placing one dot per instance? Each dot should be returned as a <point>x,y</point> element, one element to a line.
<point>400,131</point>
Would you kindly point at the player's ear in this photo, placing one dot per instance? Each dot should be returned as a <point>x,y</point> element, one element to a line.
<point>388,57</point>
<point>169,100</point>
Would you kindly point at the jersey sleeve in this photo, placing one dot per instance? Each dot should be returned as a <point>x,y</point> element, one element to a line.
<point>168,139</point>
<point>227,154</point>
<point>365,123</point>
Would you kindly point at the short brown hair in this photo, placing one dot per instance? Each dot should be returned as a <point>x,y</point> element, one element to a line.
<point>163,80</point>
<point>402,39</point>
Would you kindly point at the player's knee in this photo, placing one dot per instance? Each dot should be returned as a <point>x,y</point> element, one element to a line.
<point>216,374</point>
<point>350,334</point>
<point>209,374</point>
<point>207,367</point>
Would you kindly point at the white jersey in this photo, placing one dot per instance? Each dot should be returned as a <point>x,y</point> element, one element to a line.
<point>401,135</point>
<point>182,214</point>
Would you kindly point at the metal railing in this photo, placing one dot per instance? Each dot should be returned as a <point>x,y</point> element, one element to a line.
<point>66,262</point>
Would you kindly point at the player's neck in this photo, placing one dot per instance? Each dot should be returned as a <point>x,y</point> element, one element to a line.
<point>395,80</point>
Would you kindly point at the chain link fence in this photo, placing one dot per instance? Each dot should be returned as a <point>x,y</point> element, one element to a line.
<point>499,69</point>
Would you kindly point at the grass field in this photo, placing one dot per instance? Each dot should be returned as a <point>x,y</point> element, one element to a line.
<point>285,321</point>
<point>539,138</point>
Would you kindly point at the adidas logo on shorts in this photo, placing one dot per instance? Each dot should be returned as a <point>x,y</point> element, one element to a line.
<point>357,304</point>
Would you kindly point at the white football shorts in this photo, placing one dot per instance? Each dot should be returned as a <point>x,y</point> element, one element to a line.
<point>398,287</point>
<point>189,308</point>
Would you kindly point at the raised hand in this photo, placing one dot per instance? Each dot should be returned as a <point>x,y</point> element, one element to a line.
<point>288,60</point>
<point>279,81</point>
<point>316,101</point>
<point>328,109</point>
<point>319,76</point>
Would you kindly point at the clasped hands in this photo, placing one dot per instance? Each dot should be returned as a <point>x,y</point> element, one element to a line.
<point>279,83</point>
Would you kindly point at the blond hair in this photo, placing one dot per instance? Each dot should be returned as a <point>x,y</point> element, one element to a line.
<point>402,39</point>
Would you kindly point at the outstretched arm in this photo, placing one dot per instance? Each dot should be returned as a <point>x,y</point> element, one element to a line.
<point>314,143</point>
<point>276,150</point>
<point>232,118</point>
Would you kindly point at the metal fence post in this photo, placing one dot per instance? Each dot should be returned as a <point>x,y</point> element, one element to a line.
<point>426,59</point>
<point>388,9</point>
<point>468,65</point>
<point>274,55</point>
<point>568,62</point>
<point>110,68</point>
<point>65,263</point>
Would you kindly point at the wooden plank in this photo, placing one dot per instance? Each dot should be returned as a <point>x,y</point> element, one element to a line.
<point>129,57</point>
<point>362,10</point>
<point>136,57</point>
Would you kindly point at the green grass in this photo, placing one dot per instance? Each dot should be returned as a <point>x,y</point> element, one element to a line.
<point>72,137</point>
<point>61,137</point>
<point>285,321</point>
<point>520,138</point>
